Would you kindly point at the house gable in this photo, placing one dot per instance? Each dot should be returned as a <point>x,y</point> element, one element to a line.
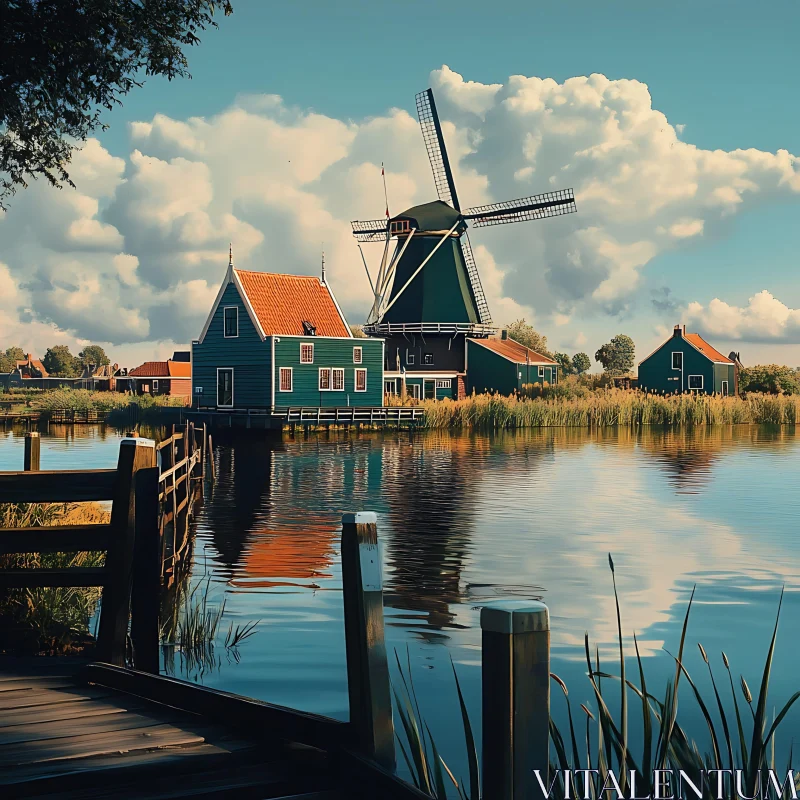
<point>656,372</point>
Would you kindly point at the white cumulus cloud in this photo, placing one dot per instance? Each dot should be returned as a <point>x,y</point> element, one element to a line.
<point>763,319</point>
<point>133,257</point>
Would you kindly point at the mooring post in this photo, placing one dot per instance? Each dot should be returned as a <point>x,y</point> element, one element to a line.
<point>367,665</point>
<point>134,454</point>
<point>516,698</point>
<point>145,594</point>
<point>213,469</point>
<point>33,444</point>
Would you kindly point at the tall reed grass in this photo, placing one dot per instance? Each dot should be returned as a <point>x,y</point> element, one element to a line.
<point>51,620</point>
<point>611,407</point>
<point>741,732</point>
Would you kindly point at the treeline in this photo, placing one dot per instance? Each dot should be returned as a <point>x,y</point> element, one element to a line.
<point>57,360</point>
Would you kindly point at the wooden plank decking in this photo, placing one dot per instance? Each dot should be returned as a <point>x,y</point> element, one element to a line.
<point>60,736</point>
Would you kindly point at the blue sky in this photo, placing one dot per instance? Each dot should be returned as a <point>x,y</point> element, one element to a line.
<point>727,71</point>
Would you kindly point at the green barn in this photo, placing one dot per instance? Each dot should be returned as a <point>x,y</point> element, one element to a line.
<point>274,341</point>
<point>688,363</point>
<point>505,366</point>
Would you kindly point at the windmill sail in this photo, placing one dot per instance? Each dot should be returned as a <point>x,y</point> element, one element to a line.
<point>550,204</point>
<point>475,281</point>
<point>371,230</point>
<point>437,153</point>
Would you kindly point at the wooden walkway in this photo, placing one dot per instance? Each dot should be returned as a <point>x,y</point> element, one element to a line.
<point>62,736</point>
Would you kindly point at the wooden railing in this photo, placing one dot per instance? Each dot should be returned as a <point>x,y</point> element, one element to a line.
<point>122,486</point>
<point>350,414</point>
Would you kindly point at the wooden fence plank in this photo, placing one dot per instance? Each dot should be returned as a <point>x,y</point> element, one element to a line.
<point>57,486</point>
<point>54,539</point>
<point>71,577</point>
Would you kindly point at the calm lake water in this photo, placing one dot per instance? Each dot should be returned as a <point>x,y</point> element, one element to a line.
<point>467,517</point>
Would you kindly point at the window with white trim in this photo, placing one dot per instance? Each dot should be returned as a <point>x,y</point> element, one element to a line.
<point>409,358</point>
<point>695,382</point>
<point>390,387</point>
<point>155,386</point>
<point>324,379</point>
<point>231,320</point>
<point>724,388</point>
<point>427,359</point>
<point>443,384</point>
<point>358,355</point>
<point>338,379</point>
<point>541,372</point>
<point>286,379</point>
<point>306,353</point>
<point>361,380</point>
<point>677,360</point>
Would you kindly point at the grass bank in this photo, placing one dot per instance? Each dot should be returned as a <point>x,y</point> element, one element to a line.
<point>50,620</point>
<point>609,407</point>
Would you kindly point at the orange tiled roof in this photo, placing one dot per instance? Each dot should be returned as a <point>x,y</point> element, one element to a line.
<point>514,351</point>
<point>706,349</point>
<point>179,369</point>
<point>283,302</point>
<point>162,369</point>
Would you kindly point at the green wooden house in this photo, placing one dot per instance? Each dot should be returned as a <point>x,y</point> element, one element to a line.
<point>688,363</point>
<point>500,364</point>
<point>275,341</point>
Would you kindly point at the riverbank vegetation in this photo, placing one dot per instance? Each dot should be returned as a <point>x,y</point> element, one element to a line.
<point>52,620</point>
<point>609,407</point>
<point>739,732</point>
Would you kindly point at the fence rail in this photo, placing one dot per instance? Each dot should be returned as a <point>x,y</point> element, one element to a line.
<point>351,414</point>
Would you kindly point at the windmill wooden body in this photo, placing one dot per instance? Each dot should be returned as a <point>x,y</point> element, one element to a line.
<point>428,297</point>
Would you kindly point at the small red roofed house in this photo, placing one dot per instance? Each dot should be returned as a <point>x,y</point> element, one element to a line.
<point>30,367</point>
<point>171,378</point>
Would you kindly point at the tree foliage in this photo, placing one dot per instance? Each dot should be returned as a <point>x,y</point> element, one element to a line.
<point>64,62</point>
<point>770,378</point>
<point>9,358</point>
<point>565,363</point>
<point>60,362</point>
<point>617,355</point>
<point>93,354</point>
<point>525,334</point>
<point>581,363</point>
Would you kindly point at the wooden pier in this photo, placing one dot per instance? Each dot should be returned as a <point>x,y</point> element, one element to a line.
<point>118,728</point>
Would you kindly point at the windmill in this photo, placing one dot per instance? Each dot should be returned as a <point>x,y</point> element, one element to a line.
<point>431,282</point>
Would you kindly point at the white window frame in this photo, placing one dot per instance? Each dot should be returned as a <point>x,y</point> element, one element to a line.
<point>231,370</point>
<point>430,363</point>
<point>281,371</point>
<point>725,388</point>
<point>225,310</point>
<point>410,359</point>
<point>154,386</point>
<point>390,387</point>
<point>355,381</point>
<point>541,372</point>
<point>677,353</point>
<point>695,388</point>
<point>303,345</point>
<point>322,388</point>
<point>444,384</point>
<point>337,372</point>
<point>358,355</point>
<point>415,390</point>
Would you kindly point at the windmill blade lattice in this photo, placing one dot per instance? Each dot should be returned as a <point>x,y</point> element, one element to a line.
<point>475,281</point>
<point>371,230</point>
<point>549,204</point>
<point>437,153</point>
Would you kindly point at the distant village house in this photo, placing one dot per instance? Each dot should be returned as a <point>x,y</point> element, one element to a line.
<point>501,364</point>
<point>688,363</point>
<point>171,378</point>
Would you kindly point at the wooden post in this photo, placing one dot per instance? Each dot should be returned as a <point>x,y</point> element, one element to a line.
<point>33,444</point>
<point>367,667</point>
<point>516,698</point>
<point>145,594</point>
<point>211,459</point>
<point>134,454</point>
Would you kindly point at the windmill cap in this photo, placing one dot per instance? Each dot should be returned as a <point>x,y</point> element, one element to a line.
<point>435,216</point>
